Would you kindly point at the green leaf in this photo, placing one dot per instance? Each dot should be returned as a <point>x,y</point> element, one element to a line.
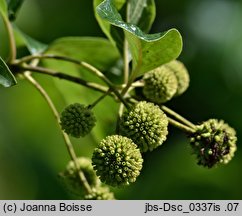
<point>96,51</point>
<point>148,50</point>
<point>13,7</point>
<point>113,34</point>
<point>7,79</point>
<point>104,25</point>
<point>34,46</point>
<point>148,55</point>
<point>142,13</point>
<point>147,17</point>
<point>135,10</point>
<point>3,8</point>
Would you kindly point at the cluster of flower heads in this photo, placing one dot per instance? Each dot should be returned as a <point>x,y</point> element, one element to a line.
<point>117,160</point>
<point>71,179</point>
<point>214,142</point>
<point>100,193</point>
<point>165,82</point>
<point>144,127</point>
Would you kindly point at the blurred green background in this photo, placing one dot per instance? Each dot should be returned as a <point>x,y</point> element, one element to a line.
<point>32,151</point>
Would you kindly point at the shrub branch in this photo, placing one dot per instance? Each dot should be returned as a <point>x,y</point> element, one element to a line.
<point>68,143</point>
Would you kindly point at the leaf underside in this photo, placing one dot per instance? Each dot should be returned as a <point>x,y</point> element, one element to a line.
<point>148,50</point>
<point>7,79</point>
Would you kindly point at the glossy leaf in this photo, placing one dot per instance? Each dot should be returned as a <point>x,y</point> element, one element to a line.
<point>148,16</point>
<point>142,13</point>
<point>7,79</point>
<point>104,25</point>
<point>34,46</point>
<point>113,33</point>
<point>148,50</point>
<point>135,10</point>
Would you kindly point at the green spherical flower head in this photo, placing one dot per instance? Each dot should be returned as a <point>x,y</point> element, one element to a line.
<point>72,180</point>
<point>100,193</point>
<point>214,142</point>
<point>146,124</point>
<point>117,161</point>
<point>160,85</point>
<point>181,74</point>
<point>77,120</point>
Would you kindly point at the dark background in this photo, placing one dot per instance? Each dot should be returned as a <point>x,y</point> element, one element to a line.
<point>32,151</point>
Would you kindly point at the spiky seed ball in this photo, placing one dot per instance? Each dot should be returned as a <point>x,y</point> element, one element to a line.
<point>117,161</point>
<point>72,180</point>
<point>214,142</point>
<point>146,124</point>
<point>100,193</point>
<point>181,74</point>
<point>77,120</point>
<point>160,85</point>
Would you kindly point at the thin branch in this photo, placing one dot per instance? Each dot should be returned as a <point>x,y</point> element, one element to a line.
<point>12,54</point>
<point>65,136</point>
<point>137,84</point>
<point>126,61</point>
<point>187,128</point>
<point>132,100</point>
<point>126,47</point>
<point>120,113</point>
<point>45,56</point>
<point>99,99</point>
<point>177,116</point>
<point>130,81</point>
<point>89,67</point>
<point>106,80</point>
<point>64,76</point>
<point>180,126</point>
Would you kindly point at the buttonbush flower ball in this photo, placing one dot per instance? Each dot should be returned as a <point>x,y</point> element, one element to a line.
<point>77,120</point>
<point>117,160</point>
<point>72,180</point>
<point>214,142</point>
<point>146,124</point>
<point>160,85</point>
<point>100,193</point>
<point>181,74</point>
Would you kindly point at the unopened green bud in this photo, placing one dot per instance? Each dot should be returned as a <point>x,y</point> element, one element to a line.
<point>77,120</point>
<point>71,177</point>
